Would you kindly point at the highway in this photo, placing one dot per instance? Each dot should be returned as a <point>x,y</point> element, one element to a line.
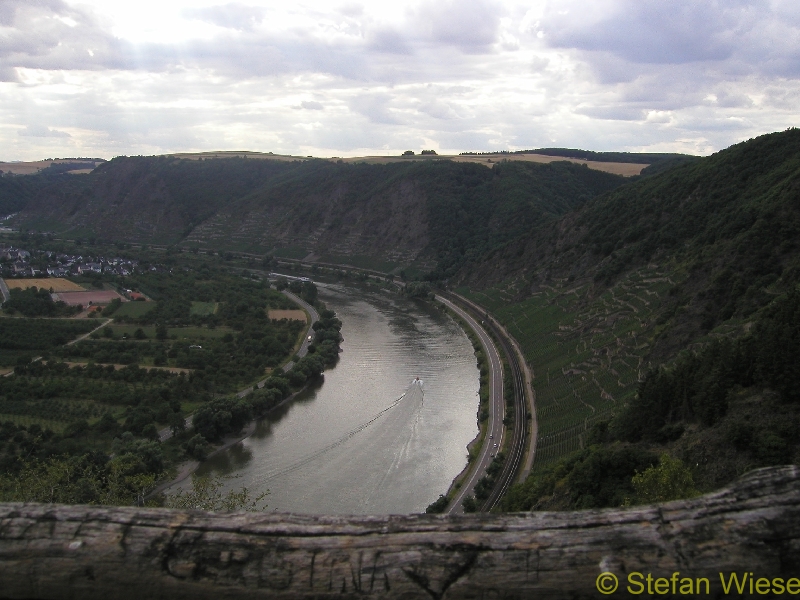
<point>495,426</point>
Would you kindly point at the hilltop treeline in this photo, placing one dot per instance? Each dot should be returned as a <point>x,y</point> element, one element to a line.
<point>648,158</point>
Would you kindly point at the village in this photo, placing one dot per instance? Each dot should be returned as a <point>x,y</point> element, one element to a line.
<point>18,262</point>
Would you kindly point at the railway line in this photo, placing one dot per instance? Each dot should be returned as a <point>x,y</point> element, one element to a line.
<point>516,447</point>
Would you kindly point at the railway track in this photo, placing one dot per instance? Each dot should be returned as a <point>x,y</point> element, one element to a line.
<point>516,448</point>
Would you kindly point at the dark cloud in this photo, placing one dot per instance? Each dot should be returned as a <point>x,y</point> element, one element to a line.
<point>653,31</point>
<point>231,15</point>
<point>388,40</point>
<point>50,35</point>
<point>10,8</point>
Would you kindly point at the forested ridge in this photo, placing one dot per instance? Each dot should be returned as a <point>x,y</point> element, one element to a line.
<point>437,214</point>
<point>694,272</point>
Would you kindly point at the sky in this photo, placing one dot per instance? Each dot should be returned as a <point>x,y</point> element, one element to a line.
<point>102,78</point>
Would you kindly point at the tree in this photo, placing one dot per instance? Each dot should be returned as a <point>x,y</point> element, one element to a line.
<point>176,423</point>
<point>197,447</point>
<point>669,480</point>
<point>161,332</point>
<point>206,494</point>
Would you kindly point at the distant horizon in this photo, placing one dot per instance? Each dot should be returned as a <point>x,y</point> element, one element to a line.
<point>333,157</point>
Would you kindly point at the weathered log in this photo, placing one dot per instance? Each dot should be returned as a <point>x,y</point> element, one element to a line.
<point>90,552</point>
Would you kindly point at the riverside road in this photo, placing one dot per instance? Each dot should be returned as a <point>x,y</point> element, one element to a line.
<point>494,433</point>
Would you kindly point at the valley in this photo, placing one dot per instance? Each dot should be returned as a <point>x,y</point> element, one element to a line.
<point>607,283</point>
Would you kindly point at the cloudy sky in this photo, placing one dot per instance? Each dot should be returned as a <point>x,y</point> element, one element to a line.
<point>110,77</point>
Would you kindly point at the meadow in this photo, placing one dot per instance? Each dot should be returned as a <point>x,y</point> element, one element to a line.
<point>134,310</point>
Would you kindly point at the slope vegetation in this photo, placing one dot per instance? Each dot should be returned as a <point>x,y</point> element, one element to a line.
<point>437,215</point>
<point>617,289</point>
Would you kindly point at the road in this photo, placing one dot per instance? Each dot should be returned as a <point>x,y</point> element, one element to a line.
<point>166,433</point>
<point>495,427</point>
<point>522,377</point>
<point>4,290</point>
<point>314,318</point>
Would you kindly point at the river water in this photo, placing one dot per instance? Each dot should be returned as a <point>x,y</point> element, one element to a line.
<point>367,439</point>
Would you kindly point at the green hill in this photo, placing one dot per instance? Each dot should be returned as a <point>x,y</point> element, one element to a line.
<point>650,276</point>
<point>433,216</point>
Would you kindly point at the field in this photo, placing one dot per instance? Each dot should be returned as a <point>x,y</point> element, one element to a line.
<point>361,262</point>
<point>291,252</point>
<point>488,160</point>
<point>30,337</point>
<point>33,167</point>
<point>626,169</point>
<point>86,298</point>
<point>57,284</point>
<point>587,353</point>
<point>134,310</point>
<point>297,315</point>
<point>204,308</point>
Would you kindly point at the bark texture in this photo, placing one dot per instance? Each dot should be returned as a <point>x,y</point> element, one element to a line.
<point>88,552</point>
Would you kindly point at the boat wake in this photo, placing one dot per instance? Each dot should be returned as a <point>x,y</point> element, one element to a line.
<point>348,436</point>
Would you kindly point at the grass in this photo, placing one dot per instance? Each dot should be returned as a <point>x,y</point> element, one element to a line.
<point>204,308</point>
<point>361,262</point>
<point>134,310</point>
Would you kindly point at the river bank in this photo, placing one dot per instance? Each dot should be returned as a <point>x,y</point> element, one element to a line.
<point>187,468</point>
<point>336,449</point>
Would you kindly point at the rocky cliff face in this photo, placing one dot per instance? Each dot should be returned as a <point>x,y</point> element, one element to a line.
<point>53,552</point>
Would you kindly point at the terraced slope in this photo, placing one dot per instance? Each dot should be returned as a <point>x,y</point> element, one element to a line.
<point>636,276</point>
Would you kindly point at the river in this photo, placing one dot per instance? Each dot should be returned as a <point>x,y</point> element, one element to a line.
<point>367,439</point>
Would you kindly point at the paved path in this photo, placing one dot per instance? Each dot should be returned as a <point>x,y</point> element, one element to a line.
<point>495,427</point>
<point>4,290</point>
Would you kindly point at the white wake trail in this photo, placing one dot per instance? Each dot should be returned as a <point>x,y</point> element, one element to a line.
<point>318,453</point>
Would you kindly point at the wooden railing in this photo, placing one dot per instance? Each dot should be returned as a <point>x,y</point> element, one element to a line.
<point>105,553</point>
